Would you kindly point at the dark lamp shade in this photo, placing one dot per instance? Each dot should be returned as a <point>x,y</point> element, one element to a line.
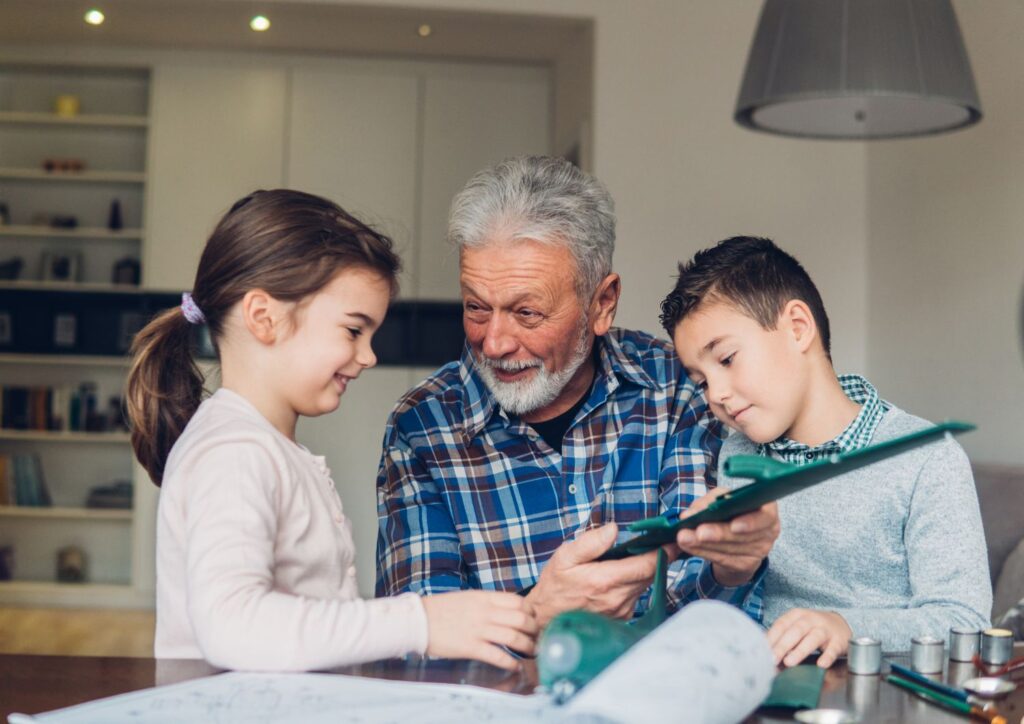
<point>857,69</point>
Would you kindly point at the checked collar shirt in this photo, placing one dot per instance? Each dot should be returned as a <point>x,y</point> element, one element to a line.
<point>857,434</point>
<point>471,497</point>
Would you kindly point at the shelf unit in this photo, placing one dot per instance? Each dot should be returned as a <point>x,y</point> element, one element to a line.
<point>110,138</point>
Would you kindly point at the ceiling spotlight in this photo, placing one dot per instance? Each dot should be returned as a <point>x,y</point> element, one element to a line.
<point>94,17</point>
<point>259,23</point>
<point>424,30</point>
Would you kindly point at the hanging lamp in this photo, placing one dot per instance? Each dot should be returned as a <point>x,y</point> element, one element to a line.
<point>857,69</point>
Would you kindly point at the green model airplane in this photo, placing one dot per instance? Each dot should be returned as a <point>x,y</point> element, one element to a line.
<point>576,646</point>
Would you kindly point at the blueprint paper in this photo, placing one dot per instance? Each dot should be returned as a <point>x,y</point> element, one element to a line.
<point>710,663</point>
<point>263,698</point>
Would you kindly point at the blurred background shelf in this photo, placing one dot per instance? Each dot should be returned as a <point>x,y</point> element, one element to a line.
<point>49,232</point>
<point>60,436</point>
<point>38,174</point>
<point>26,511</point>
<point>105,120</point>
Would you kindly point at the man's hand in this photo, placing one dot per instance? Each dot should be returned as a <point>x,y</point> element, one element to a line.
<point>798,632</point>
<point>573,579</point>
<point>735,548</point>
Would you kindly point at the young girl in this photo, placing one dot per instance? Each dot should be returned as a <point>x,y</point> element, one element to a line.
<point>254,553</point>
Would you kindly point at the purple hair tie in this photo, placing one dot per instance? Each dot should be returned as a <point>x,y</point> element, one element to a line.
<point>191,310</point>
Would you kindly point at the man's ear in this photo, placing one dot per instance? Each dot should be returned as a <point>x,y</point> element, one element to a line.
<point>262,315</point>
<point>798,321</point>
<point>604,304</point>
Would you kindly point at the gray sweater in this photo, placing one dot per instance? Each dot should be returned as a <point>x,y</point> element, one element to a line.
<point>896,548</point>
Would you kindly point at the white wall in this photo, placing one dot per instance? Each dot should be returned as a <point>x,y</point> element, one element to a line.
<point>684,175</point>
<point>946,253</point>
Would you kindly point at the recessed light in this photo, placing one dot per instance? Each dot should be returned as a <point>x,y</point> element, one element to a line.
<point>95,17</point>
<point>259,23</point>
<point>424,30</point>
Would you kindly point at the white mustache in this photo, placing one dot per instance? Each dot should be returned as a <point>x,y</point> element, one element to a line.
<point>510,365</point>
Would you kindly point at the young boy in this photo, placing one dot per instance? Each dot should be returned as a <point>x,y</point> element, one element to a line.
<point>891,551</point>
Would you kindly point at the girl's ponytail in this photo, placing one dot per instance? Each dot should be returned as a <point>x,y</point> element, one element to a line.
<point>163,390</point>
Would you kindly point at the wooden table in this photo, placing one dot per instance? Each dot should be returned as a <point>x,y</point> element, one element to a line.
<point>34,684</point>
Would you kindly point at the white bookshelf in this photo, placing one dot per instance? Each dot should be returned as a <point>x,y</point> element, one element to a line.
<point>109,137</point>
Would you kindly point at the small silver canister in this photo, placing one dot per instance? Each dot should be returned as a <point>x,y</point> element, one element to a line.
<point>963,644</point>
<point>926,655</point>
<point>864,656</point>
<point>996,646</point>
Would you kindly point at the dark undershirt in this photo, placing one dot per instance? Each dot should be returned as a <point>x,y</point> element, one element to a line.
<point>553,430</point>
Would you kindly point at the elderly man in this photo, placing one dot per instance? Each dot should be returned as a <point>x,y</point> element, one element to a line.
<point>511,467</point>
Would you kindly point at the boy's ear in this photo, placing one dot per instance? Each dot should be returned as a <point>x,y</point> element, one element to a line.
<point>798,321</point>
<point>604,304</point>
<point>262,315</point>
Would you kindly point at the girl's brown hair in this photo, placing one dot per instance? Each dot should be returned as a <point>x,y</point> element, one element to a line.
<point>289,244</point>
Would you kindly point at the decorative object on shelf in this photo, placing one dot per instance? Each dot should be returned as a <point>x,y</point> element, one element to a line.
<point>65,331</point>
<point>71,565</point>
<point>117,418</point>
<point>56,221</point>
<point>63,165</point>
<point>6,563</point>
<point>11,268</point>
<point>67,105</point>
<point>60,267</point>
<point>5,214</point>
<point>127,271</point>
<point>861,70</point>
<point>117,496</point>
<point>114,221</point>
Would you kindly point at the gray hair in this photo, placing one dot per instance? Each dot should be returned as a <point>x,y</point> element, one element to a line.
<point>541,198</point>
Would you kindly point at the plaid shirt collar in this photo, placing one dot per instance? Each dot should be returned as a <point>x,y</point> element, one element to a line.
<point>857,434</point>
<point>479,405</point>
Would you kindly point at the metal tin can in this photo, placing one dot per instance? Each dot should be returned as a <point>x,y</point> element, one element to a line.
<point>996,646</point>
<point>926,654</point>
<point>963,644</point>
<point>864,656</point>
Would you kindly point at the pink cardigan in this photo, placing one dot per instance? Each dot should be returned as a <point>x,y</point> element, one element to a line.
<point>255,555</point>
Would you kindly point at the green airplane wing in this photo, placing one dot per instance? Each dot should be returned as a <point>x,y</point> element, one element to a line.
<point>772,480</point>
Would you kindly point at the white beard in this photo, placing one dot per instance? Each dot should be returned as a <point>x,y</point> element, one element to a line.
<point>539,390</point>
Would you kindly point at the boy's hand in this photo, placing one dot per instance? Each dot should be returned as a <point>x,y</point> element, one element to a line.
<point>735,548</point>
<point>798,632</point>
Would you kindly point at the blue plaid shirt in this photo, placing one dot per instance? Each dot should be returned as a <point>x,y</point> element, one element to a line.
<point>471,497</point>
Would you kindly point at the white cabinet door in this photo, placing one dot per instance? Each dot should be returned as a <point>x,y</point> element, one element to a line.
<point>216,134</point>
<point>473,117</point>
<point>352,138</point>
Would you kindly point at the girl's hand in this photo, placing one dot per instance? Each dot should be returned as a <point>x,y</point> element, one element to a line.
<point>474,624</point>
<point>798,632</point>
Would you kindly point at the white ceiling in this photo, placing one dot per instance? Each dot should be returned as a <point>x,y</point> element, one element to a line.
<point>295,26</point>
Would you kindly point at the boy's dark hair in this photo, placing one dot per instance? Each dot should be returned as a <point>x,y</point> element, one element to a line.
<point>288,243</point>
<point>752,274</point>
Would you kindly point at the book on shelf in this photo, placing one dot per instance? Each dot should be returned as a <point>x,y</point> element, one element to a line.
<point>22,482</point>
<point>59,408</point>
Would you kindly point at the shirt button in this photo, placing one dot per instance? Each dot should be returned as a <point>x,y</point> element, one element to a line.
<point>351,571</point>
<point>809,456</point>
<point>572,489</point>
<point>338,518</point>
